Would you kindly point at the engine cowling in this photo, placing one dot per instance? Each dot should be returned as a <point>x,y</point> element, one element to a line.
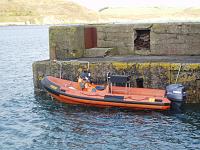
<point>176,93</point>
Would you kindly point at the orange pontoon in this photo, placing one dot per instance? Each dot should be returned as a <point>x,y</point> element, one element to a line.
<point>109,96</point>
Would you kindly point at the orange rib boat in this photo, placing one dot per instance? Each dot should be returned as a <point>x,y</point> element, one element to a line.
<point>94,95</point>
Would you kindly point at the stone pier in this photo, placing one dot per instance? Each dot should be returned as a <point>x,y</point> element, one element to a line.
<point>154,52</point>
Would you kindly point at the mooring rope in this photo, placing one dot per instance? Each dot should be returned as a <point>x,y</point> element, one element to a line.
<point>178,73</point>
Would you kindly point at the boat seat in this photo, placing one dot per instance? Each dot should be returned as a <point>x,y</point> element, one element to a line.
<point>119,78</point>
<point>100,88</point>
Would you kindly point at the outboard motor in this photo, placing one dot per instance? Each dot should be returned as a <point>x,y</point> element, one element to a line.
<point>176,93</point>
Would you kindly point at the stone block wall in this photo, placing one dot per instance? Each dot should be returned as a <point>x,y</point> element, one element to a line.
<point>125,39</point>
<point>120,37</point>
<point>66,42</point>
<point>175,39</point>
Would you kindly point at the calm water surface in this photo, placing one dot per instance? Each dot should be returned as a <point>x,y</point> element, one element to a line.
<point>31,122</point>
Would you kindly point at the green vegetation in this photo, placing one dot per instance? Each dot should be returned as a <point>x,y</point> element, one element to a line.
<point>65,11</point>
<point>44,12</point>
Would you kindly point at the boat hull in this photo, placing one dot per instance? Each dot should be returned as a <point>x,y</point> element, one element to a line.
<point>57,88</point>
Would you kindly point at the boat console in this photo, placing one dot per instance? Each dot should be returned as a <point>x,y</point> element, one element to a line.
<point>123,79</point>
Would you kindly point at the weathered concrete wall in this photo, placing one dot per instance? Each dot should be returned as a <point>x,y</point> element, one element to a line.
<point>165,39</point>
<point>120,37</point>
<point>66,42</point>
<point>155,75</point>
<point>175,39</point>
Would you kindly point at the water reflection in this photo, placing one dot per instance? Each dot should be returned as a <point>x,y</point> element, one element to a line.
<point>113,128</point>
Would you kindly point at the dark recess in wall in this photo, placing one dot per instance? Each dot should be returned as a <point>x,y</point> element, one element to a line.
<point>142,40</point>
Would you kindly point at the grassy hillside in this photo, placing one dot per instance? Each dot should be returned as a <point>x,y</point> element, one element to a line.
<point>65,11</point>
<point>151,13</point>
<point>44,12</point>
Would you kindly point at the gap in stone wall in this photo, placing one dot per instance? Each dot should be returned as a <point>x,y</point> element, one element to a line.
<point>142,40</point>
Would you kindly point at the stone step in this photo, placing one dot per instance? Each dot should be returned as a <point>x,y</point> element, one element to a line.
<point>98,52</point>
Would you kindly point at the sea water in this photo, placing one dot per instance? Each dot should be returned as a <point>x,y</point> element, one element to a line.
<point>35,122</point>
